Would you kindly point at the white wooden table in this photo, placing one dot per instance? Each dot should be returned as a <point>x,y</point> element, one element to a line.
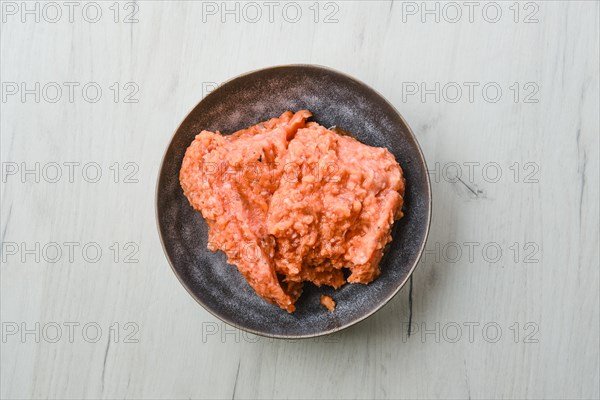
<point>503,97</point>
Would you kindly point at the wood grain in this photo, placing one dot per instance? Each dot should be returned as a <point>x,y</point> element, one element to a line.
<point>544,219</point>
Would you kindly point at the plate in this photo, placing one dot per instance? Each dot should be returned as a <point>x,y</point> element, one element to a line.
<point>335,99</point>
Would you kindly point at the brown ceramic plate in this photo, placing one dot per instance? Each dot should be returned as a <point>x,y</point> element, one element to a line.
<point>334,99</point>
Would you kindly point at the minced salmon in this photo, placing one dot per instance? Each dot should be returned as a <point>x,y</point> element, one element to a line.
<point>327,302</point>
<point>290,201</point>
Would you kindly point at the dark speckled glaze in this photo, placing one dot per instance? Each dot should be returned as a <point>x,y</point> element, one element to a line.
<point>334,99</point>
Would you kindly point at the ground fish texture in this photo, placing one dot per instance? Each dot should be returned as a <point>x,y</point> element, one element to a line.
<point>290,201</point>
